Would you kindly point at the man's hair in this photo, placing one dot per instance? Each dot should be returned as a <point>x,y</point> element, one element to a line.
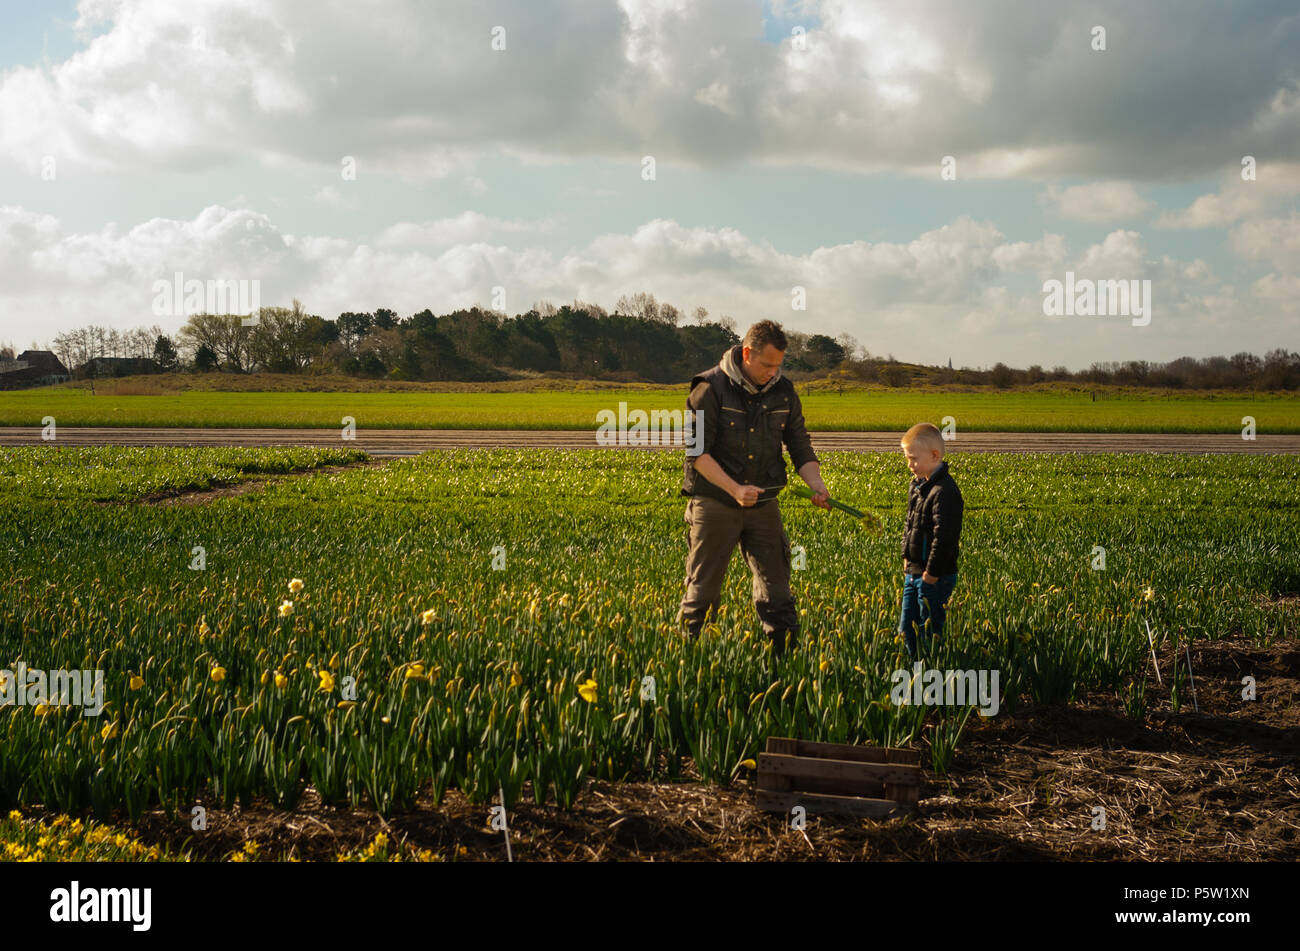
<point>762,334</point>
<point>924,435</point>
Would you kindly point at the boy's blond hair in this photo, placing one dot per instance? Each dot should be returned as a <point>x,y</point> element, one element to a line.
<point>925,435</point>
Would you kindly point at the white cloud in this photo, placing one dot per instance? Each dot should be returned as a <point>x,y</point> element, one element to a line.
<point>1238,199</point>
<point>961,287</point>
<point>331,197</point>
<point>1037,257</point>
<point>1275,241</point>
<point>1281,291</point>
<point>469,227</point>
<point>1097,202</point>
<point>1010,88</point>
<point>1121,255</point>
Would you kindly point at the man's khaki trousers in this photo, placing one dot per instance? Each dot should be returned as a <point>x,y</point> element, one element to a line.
<point>715,528</point>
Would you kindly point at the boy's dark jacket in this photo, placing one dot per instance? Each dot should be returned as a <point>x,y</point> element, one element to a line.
<point>934,508</point>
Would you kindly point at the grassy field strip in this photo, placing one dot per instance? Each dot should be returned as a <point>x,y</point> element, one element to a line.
<point>883,410</point>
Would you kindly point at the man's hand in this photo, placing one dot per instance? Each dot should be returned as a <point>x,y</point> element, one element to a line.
<point>929,578</point>
<point>746,495</point>
<point>812,476</point>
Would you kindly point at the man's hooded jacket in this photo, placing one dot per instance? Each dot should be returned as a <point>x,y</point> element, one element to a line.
<point>743,426</point>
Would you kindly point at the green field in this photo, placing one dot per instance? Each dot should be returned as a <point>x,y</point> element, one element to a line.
<point>873,410</point>
<point>530,678</point>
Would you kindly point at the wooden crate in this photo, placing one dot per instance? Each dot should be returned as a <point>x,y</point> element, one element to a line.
<point>869,781</point>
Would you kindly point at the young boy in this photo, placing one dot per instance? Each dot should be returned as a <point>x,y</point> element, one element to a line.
<point>934,508</point>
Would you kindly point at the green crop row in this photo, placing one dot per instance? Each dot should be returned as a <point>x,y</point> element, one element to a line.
<point>503,620</point>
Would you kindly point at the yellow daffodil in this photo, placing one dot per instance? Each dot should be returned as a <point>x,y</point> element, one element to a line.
<point>203,628</point>
<point>748,764</point>
<point>1149,594</point>
<point>565,600</point>
<point>41,709</point>
<point>429,616</point>
<point>109,731</point>
<point>136,682</point>
<point>588,691</point>
<point>415,670</point>
<point>534,607</point>
<point>334,661</point>
<point>281,681</point>
<point>218,674</point>
<point>286,608</point>
<point>515,679</point>
<point>326,681</point>
<point>295,585</point>
<point>386,719</point>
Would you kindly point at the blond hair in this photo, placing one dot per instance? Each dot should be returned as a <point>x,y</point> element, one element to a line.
<point>925,435</point>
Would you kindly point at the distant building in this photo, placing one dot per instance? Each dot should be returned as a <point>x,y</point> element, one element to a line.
<point>32,368</point>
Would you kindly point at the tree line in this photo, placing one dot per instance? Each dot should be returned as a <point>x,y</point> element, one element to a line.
<point>642,340</point>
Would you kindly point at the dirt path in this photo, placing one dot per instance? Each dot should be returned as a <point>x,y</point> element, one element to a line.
<point>412,441</point>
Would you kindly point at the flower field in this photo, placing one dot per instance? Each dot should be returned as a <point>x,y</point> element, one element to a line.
<point>488,620</point>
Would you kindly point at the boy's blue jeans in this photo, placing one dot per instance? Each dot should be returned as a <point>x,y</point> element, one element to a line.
<point>924,604</point>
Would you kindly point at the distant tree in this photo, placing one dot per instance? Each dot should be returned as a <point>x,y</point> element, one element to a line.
<point>164,352</point>
<point>1001,375</point>
<point>701,316</point>
<point>1281,370</point>
<point>352,328</point>
<point>205,359</point>
<point>595,310</point>
<point>644,305</point>
<point>1097,373</point>
<point>1246,368</point>
<point>822,352</point>
<point>369,365</point>
<point>224,334</point>
<point>283,339</point>
<point>892,374</point>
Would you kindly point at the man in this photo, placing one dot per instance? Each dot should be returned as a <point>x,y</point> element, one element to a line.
<point>746,411</point>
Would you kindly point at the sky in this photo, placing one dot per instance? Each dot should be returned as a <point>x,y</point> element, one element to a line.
<point>908,172</point>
